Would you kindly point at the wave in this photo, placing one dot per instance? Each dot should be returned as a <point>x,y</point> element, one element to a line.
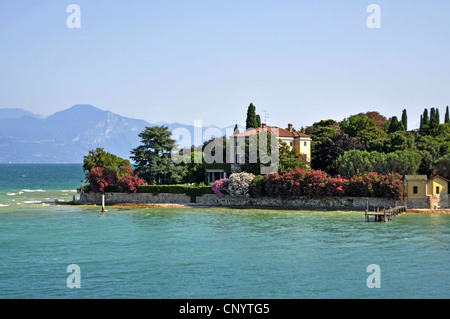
<point>32,202</point>
<point>69,191</point>
<point>11,194</point>
<point>33,190</point>
<point>3,205</point>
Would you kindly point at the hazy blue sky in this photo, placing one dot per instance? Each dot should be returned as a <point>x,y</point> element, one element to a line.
<point>180,61</point>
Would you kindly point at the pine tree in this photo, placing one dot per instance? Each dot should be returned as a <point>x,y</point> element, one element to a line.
<point>447,116</point>
<point>405,120</point>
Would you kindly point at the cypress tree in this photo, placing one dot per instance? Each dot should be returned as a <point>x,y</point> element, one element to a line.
<point>258,120</point>
<point>447,116</point>
<point>405,120</point>
<point>426,119</point>
<point>437,117</point>
<point>421,123</point>
<point>432,114</point>
<point>236,129</point>
<point>251,117</point>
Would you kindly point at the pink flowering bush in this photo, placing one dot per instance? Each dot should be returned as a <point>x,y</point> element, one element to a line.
<point>238,184</point>
<point>100,178</point>
<point>129,184</point>
<point>220,187</point>
<point>315,183</point>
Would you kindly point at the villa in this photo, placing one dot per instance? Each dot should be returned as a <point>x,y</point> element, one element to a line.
<point>431,189</point>
<point>298,141</point>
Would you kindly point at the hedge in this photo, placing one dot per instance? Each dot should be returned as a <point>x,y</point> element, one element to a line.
<point>189,190</point>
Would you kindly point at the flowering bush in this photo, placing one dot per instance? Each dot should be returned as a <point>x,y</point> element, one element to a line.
<point>100,178</point>
<point>238,184</point>
<point>220,187</point>
<point>319,184</point>
<point>130,183</point>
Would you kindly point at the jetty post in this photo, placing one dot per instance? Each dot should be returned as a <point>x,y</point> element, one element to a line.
<point>103,204</point>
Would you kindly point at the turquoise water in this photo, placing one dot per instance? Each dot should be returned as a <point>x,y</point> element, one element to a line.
<point>212,253</point>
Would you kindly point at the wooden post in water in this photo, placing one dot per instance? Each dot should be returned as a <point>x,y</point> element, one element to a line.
<point>103,204</point>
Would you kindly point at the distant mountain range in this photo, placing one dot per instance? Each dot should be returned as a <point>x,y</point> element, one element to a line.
<point>67,136</point>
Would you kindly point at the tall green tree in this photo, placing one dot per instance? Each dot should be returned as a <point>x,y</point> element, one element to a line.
<point>426,119</point>
<point>153,157</point>
<point>253,120</point>
<point>100,158</point>
<point>405,120</point>
<point>447,116</point>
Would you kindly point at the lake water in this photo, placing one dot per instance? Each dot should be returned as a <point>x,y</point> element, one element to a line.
<point>203,252</point>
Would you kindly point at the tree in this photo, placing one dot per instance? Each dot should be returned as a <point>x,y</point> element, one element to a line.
<point>395,125</point>
<point>361,127</point>
<point>442,166</point>
<point>447,116</point>
<point>289,160</point>
<point>405,120</point>
<point>325,154</point>
<point>252,121</point>
<point>236,130</point>
<point>153,157</point>
<point>100,158</point>
<point>380,120</point>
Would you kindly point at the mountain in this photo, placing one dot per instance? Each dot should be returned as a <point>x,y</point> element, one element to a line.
<point>67,136</point>
<point>14,113</point>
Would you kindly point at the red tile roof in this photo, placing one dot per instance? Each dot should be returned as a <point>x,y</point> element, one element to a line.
<point>273,129</point>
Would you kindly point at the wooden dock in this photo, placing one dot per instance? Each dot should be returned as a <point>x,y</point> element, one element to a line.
<point>385,214</point>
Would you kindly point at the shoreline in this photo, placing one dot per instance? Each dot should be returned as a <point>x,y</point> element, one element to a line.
<point>193,205</point>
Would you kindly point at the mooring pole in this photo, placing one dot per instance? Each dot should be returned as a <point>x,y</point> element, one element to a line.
<point>103,204</point>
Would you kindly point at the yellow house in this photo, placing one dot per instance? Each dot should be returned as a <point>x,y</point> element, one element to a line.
<point>420,186</point>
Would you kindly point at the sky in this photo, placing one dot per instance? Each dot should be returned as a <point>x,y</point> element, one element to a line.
<point>181,61</point>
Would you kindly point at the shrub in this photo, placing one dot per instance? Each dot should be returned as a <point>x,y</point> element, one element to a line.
<point>130,183</point>
<point>256,187</point>
<point>100,178</point>
<point>220,187</point>
<point>238,184</point>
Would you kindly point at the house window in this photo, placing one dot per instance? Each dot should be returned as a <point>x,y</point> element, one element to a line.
<point>305,143</point>
<point>236,143</point>
<point>415,190</point>
<point>237,158</point>
<point>438,189</point>
<point>291,143</point>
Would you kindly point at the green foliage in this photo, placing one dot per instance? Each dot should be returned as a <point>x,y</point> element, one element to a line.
<point>289,160</point>
<point>252,121</point>
<point>362,127</point>
<point>447,116</point>
<point>405,120</point>
<point>442,166</point>
<point>100,158</point>
<point>153,157</point>
<point>325,154</point>
<point>357,162</point>
<point>189,190</point>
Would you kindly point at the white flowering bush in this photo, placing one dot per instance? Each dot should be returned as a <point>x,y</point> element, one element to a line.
<point>238,184</point>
